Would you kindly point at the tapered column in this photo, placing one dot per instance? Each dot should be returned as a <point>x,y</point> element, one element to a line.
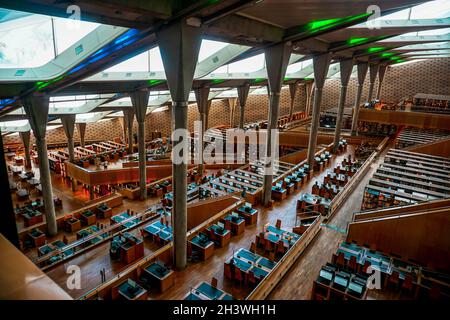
<point>124,128</point>
<point>207,115</point>
<point>346,67</point>
<point>242,96</point>
<point>232,106</point>
<point>8,226</point>
<point>202,97</point>
<point>292,93</point>
<point>128,118</point>
<point>309,87</point>
<point>373,71</point>
<point>36,108</point>
<point>179,45</point>
<point>381,73</point>
<point>68,122</point>
<point>321,64</point>
<point>362,72</point>
<point>25,137</point>
<point>81,127</point>
<point>277,59</point>
<point>139,99</point>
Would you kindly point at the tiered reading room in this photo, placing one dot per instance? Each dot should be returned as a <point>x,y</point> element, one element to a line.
<point>225,150</point>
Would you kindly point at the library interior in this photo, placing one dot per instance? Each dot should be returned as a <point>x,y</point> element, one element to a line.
<point>225,150</point>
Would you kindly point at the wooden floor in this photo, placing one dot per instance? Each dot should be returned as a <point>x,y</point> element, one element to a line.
<point>297,284</point>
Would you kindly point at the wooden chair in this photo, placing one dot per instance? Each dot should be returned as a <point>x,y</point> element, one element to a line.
<point>272,256</point>
<point>238,276</point>
<point>253,247</point>
<point>341,260</point>
<point>268,246</point>
<point>278,224</point>
<point>251,278</point>
<point>262,240</point>
<point>352,265</point>
<point>334,258</point>
<point>214,282</point>
<point>211,234</point>
<point>227,271</point>
<point>394,279</point>
<point>365,267</point>
<point>407,284</point>
<point>280,248</point>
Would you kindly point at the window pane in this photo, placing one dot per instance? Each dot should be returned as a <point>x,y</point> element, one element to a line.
<point>247,65</point>
<point>26,42</point>
<point>210,47</point>
<point>137,63</point>
<point>156,63</point>
<point>432,9</point>
<point>68,32</point>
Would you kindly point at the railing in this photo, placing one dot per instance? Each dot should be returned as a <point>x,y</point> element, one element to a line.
<point>85,243</point>
<point>354,181</point>
<point>265,287</point>
<point>151,257</point>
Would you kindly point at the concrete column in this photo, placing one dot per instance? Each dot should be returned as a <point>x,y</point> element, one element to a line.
<point>25,137</point>
<point>362,72</point>
<point>91,192</point>
<point>179,44</point>
<point>8,225</point>
<point>309,92</point>
<point>346,67</point>
<point>292,92</point>
<point>207,115</point>
<point>36,108</point>
<point>381,73</point>
<point>232,106</point>
<point>242,96</point>
<point>128,117</point>
<point>124,128</point>
<point>68,122</point>
<point>81,127</point>
<point>139,99</point>
<point>321,64</point>
<point>202,98</point>
<point>373,71</point>
<point>277,59</point>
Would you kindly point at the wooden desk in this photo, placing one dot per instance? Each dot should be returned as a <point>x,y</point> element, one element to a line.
<point>129,290</point>
<point>279,193</point>
<point>73,225</point>
<point>223,237</point>
<point>249,214</point>
<point>31,218</point>
<point>237,225</point>
<point>163,277</point>
<point>37,237</point>
<point>88,218</point>
<point>206,248</point>
<point>104,211</point>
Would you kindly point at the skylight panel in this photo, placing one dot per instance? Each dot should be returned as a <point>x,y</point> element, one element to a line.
<point>135,64</point>
<point>156,63</point>
<point>431,10</point>
<point>26,42</point>
<point>68,33</point>
<point>209,47</point>
<point>251,64</point>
